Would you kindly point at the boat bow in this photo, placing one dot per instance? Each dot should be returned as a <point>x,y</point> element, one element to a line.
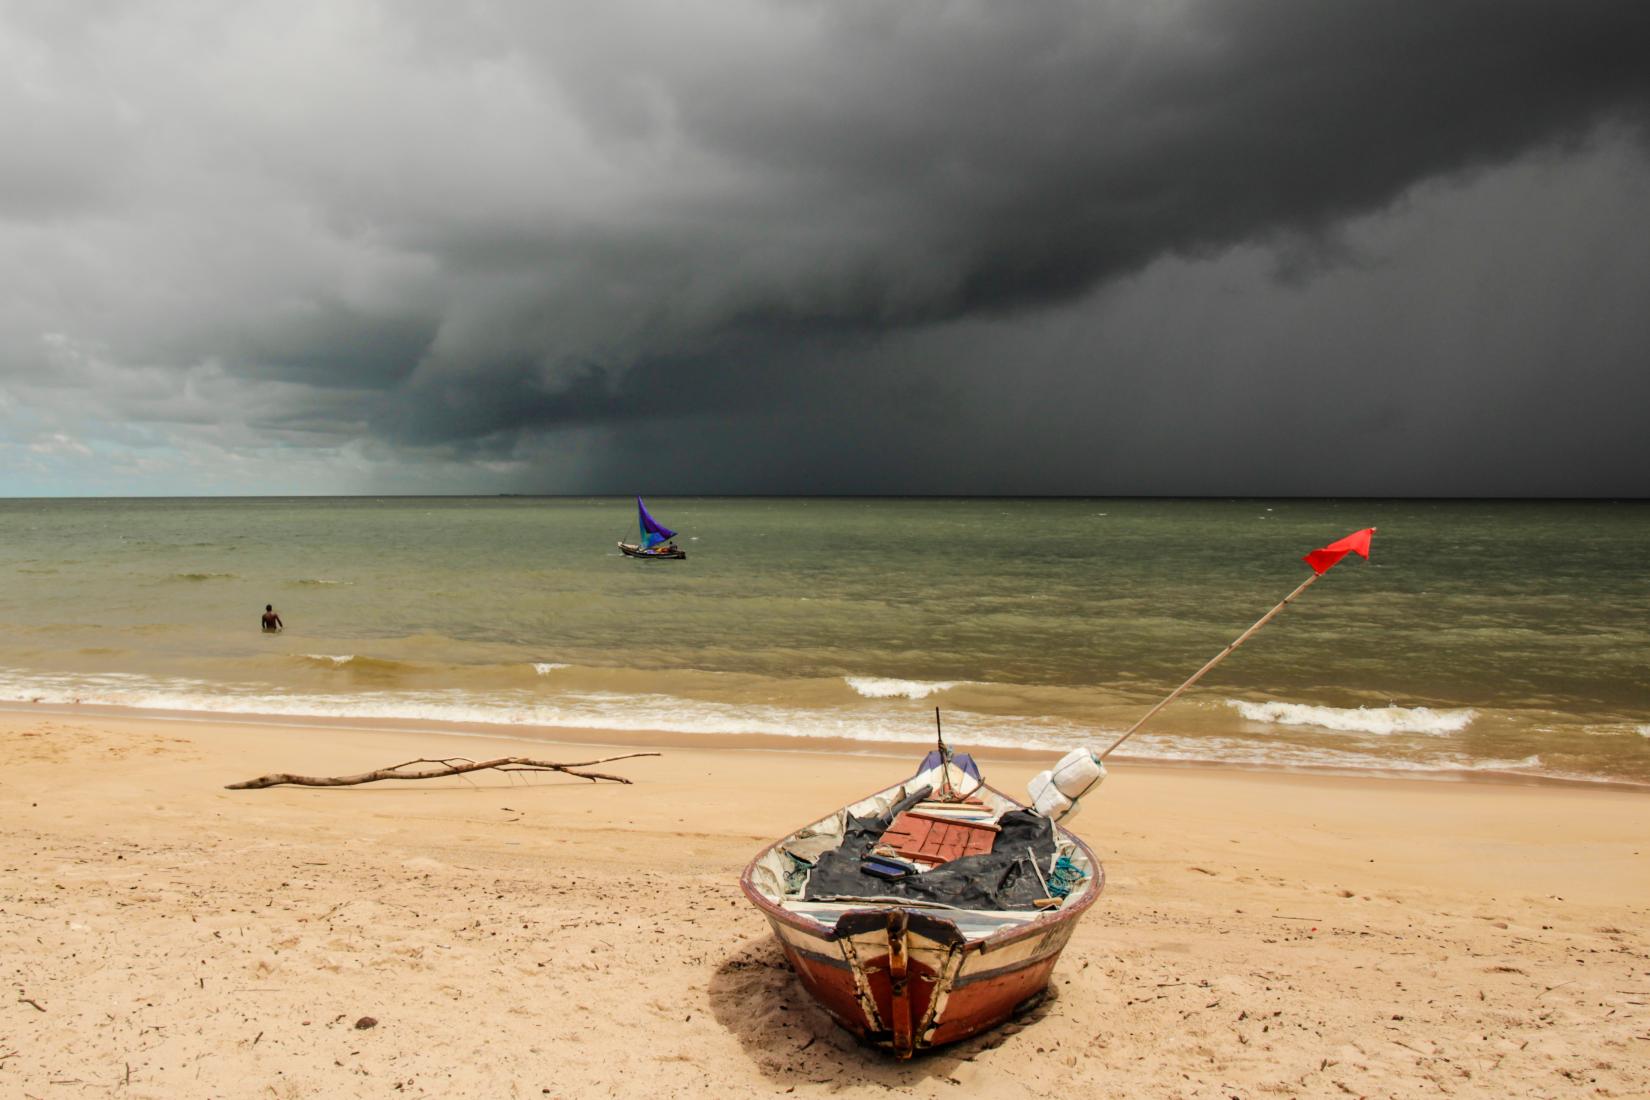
<point>907,973</point>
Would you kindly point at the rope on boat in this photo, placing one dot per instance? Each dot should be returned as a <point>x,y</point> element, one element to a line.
<point>1065,877</point>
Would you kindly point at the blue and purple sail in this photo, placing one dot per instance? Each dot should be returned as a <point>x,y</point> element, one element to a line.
<point>653,532</point>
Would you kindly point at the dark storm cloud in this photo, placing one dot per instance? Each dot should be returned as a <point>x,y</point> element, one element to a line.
<point>893,167</point>
<point>460,231</point>
<point>938,160</point>
<point>329,345</point>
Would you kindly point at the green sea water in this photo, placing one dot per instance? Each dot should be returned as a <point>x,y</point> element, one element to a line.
<point>1482,637</point>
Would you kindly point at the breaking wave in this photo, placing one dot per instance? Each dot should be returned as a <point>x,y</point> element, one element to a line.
<point>380,666</point>
<point>1377,720</point>
<point>545,668</point>
<point>510,710</point>
<point>205,576</point>
<point>1228,750</point>
<point>875,687</point>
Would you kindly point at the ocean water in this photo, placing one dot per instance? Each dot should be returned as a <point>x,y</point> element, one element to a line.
<point>1482,637</point>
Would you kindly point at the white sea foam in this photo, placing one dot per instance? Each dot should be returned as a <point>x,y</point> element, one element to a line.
<point>1227,750</point>
<point>623,712</point>
<point>576,710</point>
<point>1377,720</point>
<point>339,659</point>
<point>876,687</point>
<point>1529,762</point>
<point>1610,729</point>
<point>545,668</point>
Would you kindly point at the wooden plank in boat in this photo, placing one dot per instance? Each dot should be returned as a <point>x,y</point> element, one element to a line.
<point>980,820</point>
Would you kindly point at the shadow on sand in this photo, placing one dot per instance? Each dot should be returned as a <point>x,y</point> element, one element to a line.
<point>791,1040</point>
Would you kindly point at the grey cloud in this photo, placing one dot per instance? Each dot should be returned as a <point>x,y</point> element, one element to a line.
<point>329,345</point>
<point>463,230</point>
<point>938,159</point>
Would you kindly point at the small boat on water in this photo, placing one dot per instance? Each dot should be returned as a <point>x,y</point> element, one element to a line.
<point>929,911</point>
<point>656,542</point>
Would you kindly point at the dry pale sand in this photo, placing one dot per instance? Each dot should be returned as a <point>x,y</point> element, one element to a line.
<point>1261,935</point>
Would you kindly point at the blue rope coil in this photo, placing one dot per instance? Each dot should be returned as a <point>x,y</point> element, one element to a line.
<point>1065,877</point>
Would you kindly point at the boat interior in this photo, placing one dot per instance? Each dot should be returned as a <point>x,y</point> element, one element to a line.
<point>942,842</point>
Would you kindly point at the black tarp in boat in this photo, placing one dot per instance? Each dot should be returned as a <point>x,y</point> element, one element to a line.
<point>1001,879</point>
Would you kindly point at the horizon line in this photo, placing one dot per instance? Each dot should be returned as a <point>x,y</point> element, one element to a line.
<point>467,495</point>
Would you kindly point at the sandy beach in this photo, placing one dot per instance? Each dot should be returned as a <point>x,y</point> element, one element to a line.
<point>1262,934</point>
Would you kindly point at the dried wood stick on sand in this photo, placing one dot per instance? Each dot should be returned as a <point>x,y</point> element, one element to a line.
<point>436,769</point>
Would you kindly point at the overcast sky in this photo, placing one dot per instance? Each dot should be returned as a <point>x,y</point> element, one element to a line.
<point>1237,247</point>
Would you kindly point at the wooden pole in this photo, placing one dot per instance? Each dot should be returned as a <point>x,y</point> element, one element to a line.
<point>1221,656</point>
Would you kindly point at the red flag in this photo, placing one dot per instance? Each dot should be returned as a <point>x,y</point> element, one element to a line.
<point>1323,560</point>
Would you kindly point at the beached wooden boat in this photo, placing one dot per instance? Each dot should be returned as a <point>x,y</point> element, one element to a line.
<point>913,971</point>
<point>655,543</point>
<point>912,929</point>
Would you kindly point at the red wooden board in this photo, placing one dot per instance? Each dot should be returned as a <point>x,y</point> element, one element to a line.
<point>926,840</point>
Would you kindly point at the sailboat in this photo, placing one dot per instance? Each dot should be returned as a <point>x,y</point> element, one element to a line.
<point>657,540</point>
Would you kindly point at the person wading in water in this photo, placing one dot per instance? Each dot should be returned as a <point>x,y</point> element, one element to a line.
<point>272,621</point>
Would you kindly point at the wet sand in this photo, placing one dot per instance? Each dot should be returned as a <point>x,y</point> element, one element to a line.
<point>1261,934</point>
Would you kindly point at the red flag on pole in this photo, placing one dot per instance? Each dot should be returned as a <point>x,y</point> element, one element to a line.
<point>1323,560</point>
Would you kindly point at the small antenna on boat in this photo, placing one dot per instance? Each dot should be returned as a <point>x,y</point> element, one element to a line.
<point>947,791</point>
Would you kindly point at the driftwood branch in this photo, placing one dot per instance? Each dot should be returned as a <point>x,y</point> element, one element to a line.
<point>437,769</point>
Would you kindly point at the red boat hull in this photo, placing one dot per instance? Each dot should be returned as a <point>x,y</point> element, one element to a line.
<point>971,1008</point>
